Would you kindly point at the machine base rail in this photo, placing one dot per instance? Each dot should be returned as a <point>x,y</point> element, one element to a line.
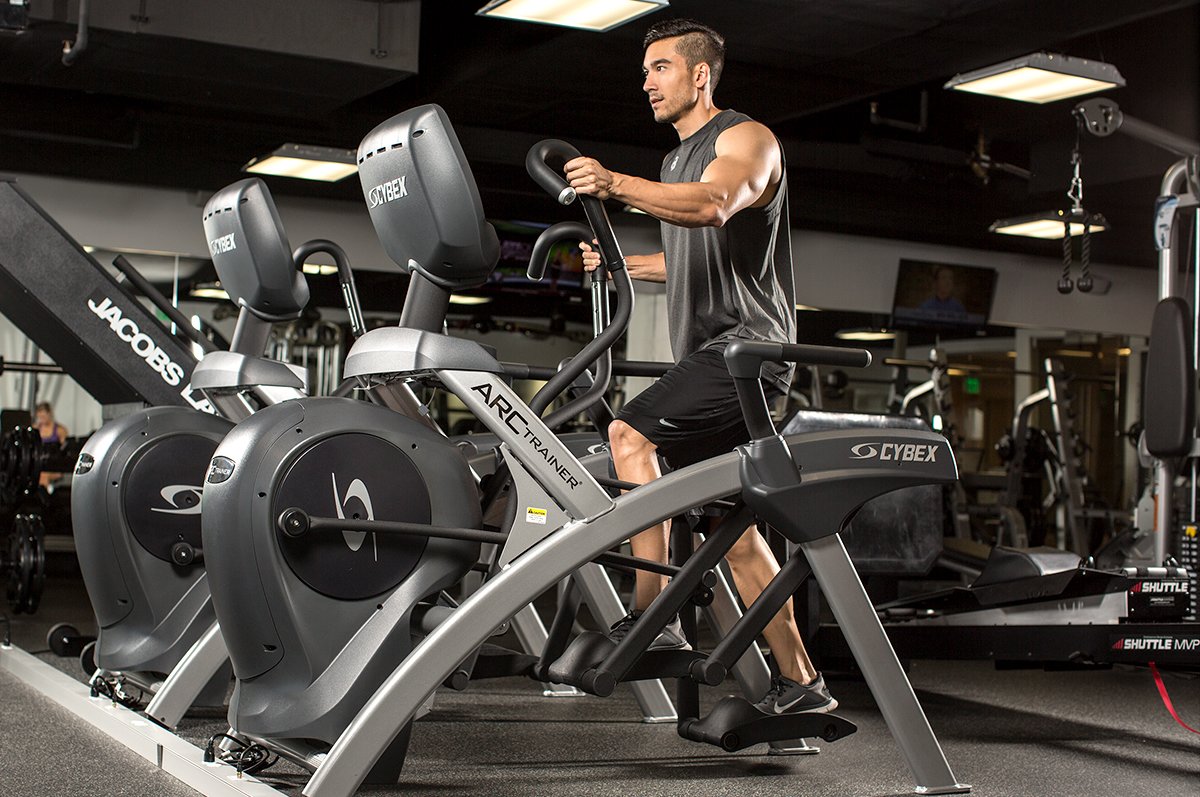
<point>1167,644</point>
<point>734,724</point>
<point>159,747</point>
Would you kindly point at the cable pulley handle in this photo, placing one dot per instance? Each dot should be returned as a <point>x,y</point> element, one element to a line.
<point>572,231</point>
<point>345,277</point>
<point>553,182</point>
<point>744,358</point>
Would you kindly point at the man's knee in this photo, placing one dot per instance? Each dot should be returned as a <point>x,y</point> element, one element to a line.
<point>625,441</point>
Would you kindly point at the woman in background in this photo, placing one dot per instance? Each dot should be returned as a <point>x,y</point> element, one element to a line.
<point>52,433</point>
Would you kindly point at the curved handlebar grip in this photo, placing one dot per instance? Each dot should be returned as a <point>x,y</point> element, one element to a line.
<point>744,358</point>
<point>345,277</point>
<point>563,231</point>
<point>544,175</point>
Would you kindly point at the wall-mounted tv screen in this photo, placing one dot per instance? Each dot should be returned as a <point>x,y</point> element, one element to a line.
<point>941,295</point>
<point>564,274</point>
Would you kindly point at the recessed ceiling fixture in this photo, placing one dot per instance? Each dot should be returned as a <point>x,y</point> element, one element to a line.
<point>306,162</point>
<point>864,333</point>
<point>319,269</point>
<point>594,15</point>
<point>456,298</point>
<point>1040,78</point>
<point>1049,225</point>
<point>208,290</point>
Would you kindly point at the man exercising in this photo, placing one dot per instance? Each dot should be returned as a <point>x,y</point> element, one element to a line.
<point>727,265</point>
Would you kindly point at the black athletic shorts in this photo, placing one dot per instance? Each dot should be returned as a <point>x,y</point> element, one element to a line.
<point>692,412</point>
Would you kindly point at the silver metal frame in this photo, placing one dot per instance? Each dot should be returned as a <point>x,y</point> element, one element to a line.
<point>193,672</point>
<point>600,523</point>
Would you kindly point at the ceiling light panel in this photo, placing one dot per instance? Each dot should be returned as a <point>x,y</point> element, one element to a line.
<point>594,15</point>
<point>305,162</point>
<point>1039,78</point>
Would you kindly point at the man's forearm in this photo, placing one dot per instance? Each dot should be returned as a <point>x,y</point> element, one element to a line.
<point>682,204</point>
<point>648,268</point>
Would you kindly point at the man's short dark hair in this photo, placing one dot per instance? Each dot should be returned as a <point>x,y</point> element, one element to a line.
<point>697,43</point>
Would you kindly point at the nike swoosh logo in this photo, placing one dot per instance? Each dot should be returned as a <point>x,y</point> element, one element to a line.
<point>667,423</point>
<point>779,709</point>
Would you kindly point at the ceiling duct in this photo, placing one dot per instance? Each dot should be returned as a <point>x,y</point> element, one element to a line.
<point>318,55</point>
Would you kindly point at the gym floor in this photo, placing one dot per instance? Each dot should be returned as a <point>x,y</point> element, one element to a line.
<point>1009,733</point>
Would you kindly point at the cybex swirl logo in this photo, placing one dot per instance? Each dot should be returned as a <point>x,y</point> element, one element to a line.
<point>357,491</point>
<point>864,451</point>
<point>173,493</point>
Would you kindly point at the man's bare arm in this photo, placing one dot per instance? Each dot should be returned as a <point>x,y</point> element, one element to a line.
<point>747,166</point>
<point>648,268</point>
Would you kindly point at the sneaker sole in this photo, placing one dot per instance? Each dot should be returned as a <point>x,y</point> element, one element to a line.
<point>680,646</point>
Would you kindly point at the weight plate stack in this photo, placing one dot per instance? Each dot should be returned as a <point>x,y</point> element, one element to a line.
<point>25,566</point>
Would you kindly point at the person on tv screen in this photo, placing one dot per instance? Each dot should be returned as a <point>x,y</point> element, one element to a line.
<point>943,304</point>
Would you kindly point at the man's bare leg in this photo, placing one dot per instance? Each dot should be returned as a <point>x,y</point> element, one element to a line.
<point>636,461</point>
<point>753,565</point>
<point>750,559</point>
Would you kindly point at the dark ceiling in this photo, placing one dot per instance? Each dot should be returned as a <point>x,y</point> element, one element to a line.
<point>168,112</point>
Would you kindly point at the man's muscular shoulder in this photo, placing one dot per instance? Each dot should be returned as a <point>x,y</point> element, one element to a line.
<point>749,139</point>
<point>754,146</point>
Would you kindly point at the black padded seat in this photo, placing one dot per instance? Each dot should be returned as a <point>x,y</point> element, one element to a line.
<point>1169,402</point>
<point>1005,564</point>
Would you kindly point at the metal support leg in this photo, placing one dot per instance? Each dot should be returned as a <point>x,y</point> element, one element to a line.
<point>873,651</point>
<point>1164,509</point>
<point>193,672</point>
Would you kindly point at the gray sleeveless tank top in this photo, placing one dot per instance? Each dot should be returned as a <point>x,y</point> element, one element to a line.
<point>733,281</point>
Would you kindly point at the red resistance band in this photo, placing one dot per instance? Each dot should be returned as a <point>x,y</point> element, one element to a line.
<point>1166,699</point>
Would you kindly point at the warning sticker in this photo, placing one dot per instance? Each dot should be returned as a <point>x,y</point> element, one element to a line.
<point>533,515</point>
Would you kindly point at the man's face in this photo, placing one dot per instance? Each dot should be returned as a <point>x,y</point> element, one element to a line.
<point>945,283</point>
<point>669,83</point>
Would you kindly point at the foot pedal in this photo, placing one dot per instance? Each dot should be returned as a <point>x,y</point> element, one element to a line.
<point>589,650</point>
<point>735,724</point>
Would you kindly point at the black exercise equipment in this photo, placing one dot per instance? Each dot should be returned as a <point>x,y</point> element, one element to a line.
<point>90,325</point>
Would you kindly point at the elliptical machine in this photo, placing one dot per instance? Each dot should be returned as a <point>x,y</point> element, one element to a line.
<point>313,624</point>
<point>842,470</point>
<point>136,497</point>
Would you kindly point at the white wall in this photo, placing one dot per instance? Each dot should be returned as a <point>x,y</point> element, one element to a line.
<point>116,216</point>
<point>832,271</point>
<point>858,273</point>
